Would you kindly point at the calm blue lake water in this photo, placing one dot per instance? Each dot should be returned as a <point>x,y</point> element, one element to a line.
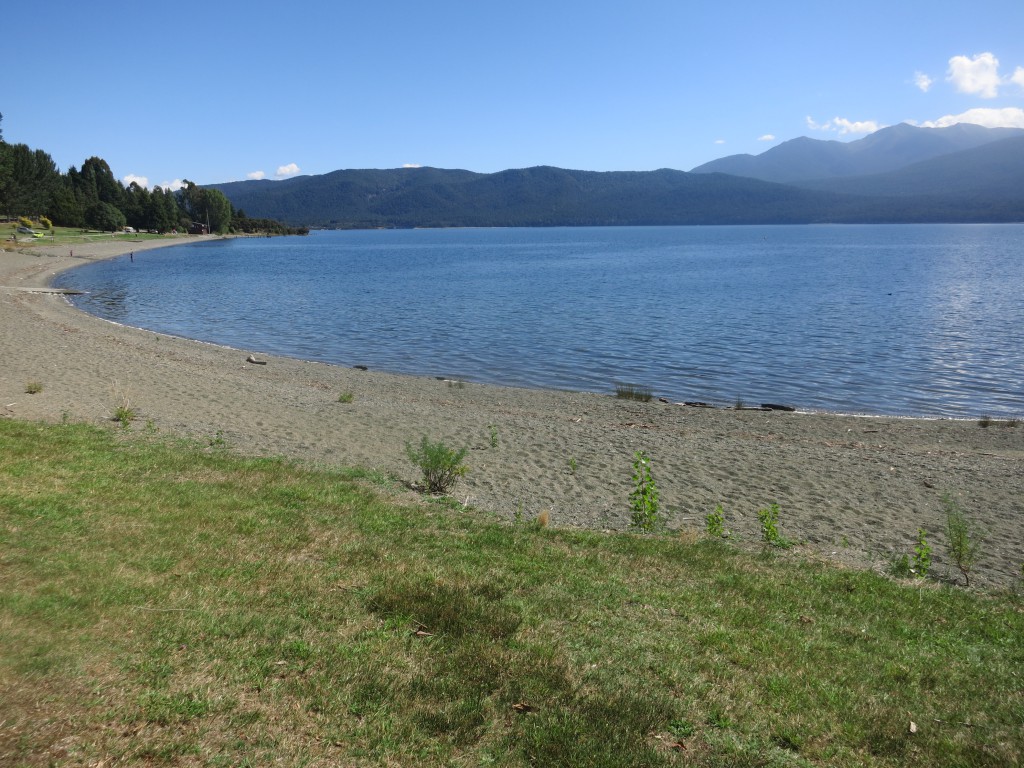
<point>907,320</point>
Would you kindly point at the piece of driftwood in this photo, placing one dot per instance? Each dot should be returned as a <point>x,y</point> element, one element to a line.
<point>252,359</point>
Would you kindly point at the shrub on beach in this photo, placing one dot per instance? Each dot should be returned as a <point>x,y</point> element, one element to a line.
<point>644,498</point>
<point>769,519</point>
<point>963,538</point>
<point>441,466</point>
<point>714,523</point>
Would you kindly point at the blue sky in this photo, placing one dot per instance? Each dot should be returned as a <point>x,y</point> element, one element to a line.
<point>224,91</point>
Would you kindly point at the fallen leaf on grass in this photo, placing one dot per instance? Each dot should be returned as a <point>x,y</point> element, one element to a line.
<point>523,708</point>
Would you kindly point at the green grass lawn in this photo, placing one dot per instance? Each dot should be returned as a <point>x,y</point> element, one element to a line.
<point>71,236</point>
<point>176,604</point>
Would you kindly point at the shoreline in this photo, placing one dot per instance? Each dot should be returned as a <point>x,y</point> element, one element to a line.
<point>816,370</point>
<point>853,488</point>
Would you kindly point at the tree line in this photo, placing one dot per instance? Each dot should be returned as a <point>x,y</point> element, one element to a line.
<point>90,197</point>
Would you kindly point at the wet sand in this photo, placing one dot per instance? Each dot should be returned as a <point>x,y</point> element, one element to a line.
<point>850,489</point>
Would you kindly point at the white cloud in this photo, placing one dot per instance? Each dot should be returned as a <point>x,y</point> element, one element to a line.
<point>174,186</point>
<point>979,75</point>
<point>142,181</point>
<point>719,141</point>
<point>287,170</point>
<point>842,126</point>
<point>1018,77</point>
<point>766,137</point>
<point>257,175</point>
<point>411,165</point>
<point>922,81</point>
<point>861,126</point>
<point>1008,117</point>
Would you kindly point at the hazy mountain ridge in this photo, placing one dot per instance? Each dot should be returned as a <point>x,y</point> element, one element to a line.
<point>958,174</point>
<point>889,149</point>
<point>994,170</point>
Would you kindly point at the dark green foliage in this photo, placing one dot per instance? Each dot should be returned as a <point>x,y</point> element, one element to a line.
<point>206,206</point>
<point>64,208</point>
<point>31,185</point>
<point>28,179</point>
<point>538,197</point>
<point>105,217</point>
<point>100,182</point>
<point>242,224</point>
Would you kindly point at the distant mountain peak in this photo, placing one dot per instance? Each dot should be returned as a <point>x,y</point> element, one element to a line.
<point>885,150</point>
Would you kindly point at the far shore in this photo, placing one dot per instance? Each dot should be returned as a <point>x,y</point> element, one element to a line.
<point>850,489</point>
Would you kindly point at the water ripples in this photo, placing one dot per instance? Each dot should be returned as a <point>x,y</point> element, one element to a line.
<point>908,320</point>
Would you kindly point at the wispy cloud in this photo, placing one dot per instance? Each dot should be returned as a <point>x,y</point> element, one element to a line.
<point>411,165</point>
<point>255,175</point>
<point>719,141</point>
<point>287,170</point>
<point>142,181</point>
<point>922,81</point>
<point>842,126</point>
<point>766,137</point>
<point>1008,117</point>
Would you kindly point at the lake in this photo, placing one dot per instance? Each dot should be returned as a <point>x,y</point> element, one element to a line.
<point>921,320</point>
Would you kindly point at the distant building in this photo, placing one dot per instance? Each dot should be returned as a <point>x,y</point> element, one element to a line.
<point>198,229</point>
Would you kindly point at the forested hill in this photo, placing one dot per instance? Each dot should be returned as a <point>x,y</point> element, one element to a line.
<point>546,196</point>
<point>543,196</point>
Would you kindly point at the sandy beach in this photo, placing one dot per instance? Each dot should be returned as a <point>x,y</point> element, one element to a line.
<point>850,489</point>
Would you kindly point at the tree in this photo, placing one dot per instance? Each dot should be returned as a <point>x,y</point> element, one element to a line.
<point>28,179</point>
<point>83,187</point>
<point>108,188</point>
<point>206,206</point>
<point>162,210</point>
<point>218,209</point>
<point>136,206</point>
<point>65,208</point>
<point>105,217</point>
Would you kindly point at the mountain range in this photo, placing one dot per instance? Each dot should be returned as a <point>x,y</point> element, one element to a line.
<point>960,173</point>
